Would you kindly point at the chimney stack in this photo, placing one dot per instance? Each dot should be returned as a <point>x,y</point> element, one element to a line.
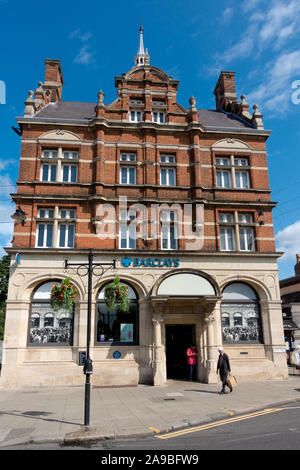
<point>297,266</point>
<point>225,91</point>
<point>54,81</point>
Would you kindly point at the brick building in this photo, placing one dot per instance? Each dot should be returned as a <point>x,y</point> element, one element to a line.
<point>290,296</point>
<point>185,196</point>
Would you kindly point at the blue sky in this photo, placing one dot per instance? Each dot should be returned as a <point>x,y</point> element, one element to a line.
<point>191,40</point>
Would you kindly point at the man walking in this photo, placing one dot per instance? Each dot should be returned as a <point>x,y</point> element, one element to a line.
<point>224,368</point>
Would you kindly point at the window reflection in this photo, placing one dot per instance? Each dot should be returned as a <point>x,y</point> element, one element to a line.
<point>115,326</point>
<point>241,321</point>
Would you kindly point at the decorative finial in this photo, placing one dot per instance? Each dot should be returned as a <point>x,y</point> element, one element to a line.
<point>141,58</point>
<point>243,98</point>
<point>100,106</point>
<point>243,108</point>
<point>39,89</point>
<point>192,102</point>
<point>257,118</point>
<point>100,96</point>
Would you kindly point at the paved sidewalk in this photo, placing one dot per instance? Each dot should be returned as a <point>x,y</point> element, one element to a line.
<point>43,415</point>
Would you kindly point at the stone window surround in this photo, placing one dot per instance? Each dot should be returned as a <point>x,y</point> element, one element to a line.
<point>236,224</point>
<point>232,168</point>
<point>136,112</point>
<point>168,168</point>
<point>159,112</point>
<point>138,105</point>
<point>128,166</point>
<point>59,161</point>
<point>55,221</point>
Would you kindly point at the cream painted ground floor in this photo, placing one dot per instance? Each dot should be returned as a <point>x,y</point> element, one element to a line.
<point>175,300</point>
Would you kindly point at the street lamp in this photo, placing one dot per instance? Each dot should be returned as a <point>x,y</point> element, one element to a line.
<point>19,216</point>
<point>88,363</point>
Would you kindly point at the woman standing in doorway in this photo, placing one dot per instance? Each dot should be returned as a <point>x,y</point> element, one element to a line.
<point>192,361</point>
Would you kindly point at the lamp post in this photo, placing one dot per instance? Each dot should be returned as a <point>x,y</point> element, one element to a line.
<point>19,216</point>
<point>88,364</point>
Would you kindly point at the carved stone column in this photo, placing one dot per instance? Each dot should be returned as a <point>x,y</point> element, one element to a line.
<point>158,374</point>
<point>211,366</point>
<point>159,307</point>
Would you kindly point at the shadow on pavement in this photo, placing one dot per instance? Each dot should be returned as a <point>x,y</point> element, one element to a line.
<point>37,415</point>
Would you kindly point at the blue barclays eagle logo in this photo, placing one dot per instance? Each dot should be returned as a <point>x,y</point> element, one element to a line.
<point>126,262</point>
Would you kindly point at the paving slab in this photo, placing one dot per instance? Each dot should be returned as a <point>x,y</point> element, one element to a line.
<point>56,414</point>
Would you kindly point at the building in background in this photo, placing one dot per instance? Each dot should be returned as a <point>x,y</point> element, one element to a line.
<point>185,195</point>
<point>290,296</point>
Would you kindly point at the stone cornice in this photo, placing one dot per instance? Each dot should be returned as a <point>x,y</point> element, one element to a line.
<point>96,197</point>
<point>143,253</point>
<point>167,127</point>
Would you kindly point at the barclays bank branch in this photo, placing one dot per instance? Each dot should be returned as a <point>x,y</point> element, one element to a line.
<point>174,302</point>
<point>78,158</point>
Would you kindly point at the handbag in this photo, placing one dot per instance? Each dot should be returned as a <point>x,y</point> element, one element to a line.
<point>231,381</point>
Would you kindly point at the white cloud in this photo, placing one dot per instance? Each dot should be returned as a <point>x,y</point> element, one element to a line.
<point>5,163</point>
<point>85,56</point>
<point>86,53</point>
<point>275,92</point>
<point>250,4</point>
<point>270,27</point>
<point>281,21</point>
<point>84,37</point>
<point>241,49</point>
<point>6,227</point>
<point>6,185</point>
<point>272,31</point>
<point>227,15</point>
<point>6,209</point>
<point>288,240</point>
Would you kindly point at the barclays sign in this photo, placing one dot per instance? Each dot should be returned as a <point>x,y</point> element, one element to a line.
<point>151,262</point>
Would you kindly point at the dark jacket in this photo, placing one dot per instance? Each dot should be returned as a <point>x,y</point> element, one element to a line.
<point>225,367</point>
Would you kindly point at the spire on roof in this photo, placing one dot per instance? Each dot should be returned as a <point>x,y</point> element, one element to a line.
<point>142,58</point>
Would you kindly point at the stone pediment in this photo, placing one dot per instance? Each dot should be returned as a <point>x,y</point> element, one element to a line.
<point>153,73</point>
<point>194,304</point>
<point>230,144</point>
<point>59,135</point>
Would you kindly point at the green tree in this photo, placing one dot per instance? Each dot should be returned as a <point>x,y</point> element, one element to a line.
<point>4,275</point>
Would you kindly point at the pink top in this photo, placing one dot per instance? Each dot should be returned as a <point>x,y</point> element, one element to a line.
<point>191,356</point>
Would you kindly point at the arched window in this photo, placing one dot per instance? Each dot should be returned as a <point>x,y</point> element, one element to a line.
<point>114,326</point>
<point>241,322</point>
<point>238,319</point>
<point>35,320</point>
<point>46,327</point>
<point>49,320</point>
<point>225,320</point>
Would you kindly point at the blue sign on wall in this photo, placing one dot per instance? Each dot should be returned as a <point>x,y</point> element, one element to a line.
<point>117,354</point>
<point>151,262</point>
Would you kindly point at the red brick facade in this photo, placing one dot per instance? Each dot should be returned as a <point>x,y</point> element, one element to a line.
<point>99,138</point>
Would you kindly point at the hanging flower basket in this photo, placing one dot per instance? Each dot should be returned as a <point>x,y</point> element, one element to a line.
<point>117,293</point>
<point>63,295</point>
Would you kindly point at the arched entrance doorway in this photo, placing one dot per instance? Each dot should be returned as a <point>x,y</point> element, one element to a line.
<point>182,303</point>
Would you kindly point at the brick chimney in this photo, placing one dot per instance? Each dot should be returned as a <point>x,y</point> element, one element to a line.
<point>53,80</point>
<point>225,91</point>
